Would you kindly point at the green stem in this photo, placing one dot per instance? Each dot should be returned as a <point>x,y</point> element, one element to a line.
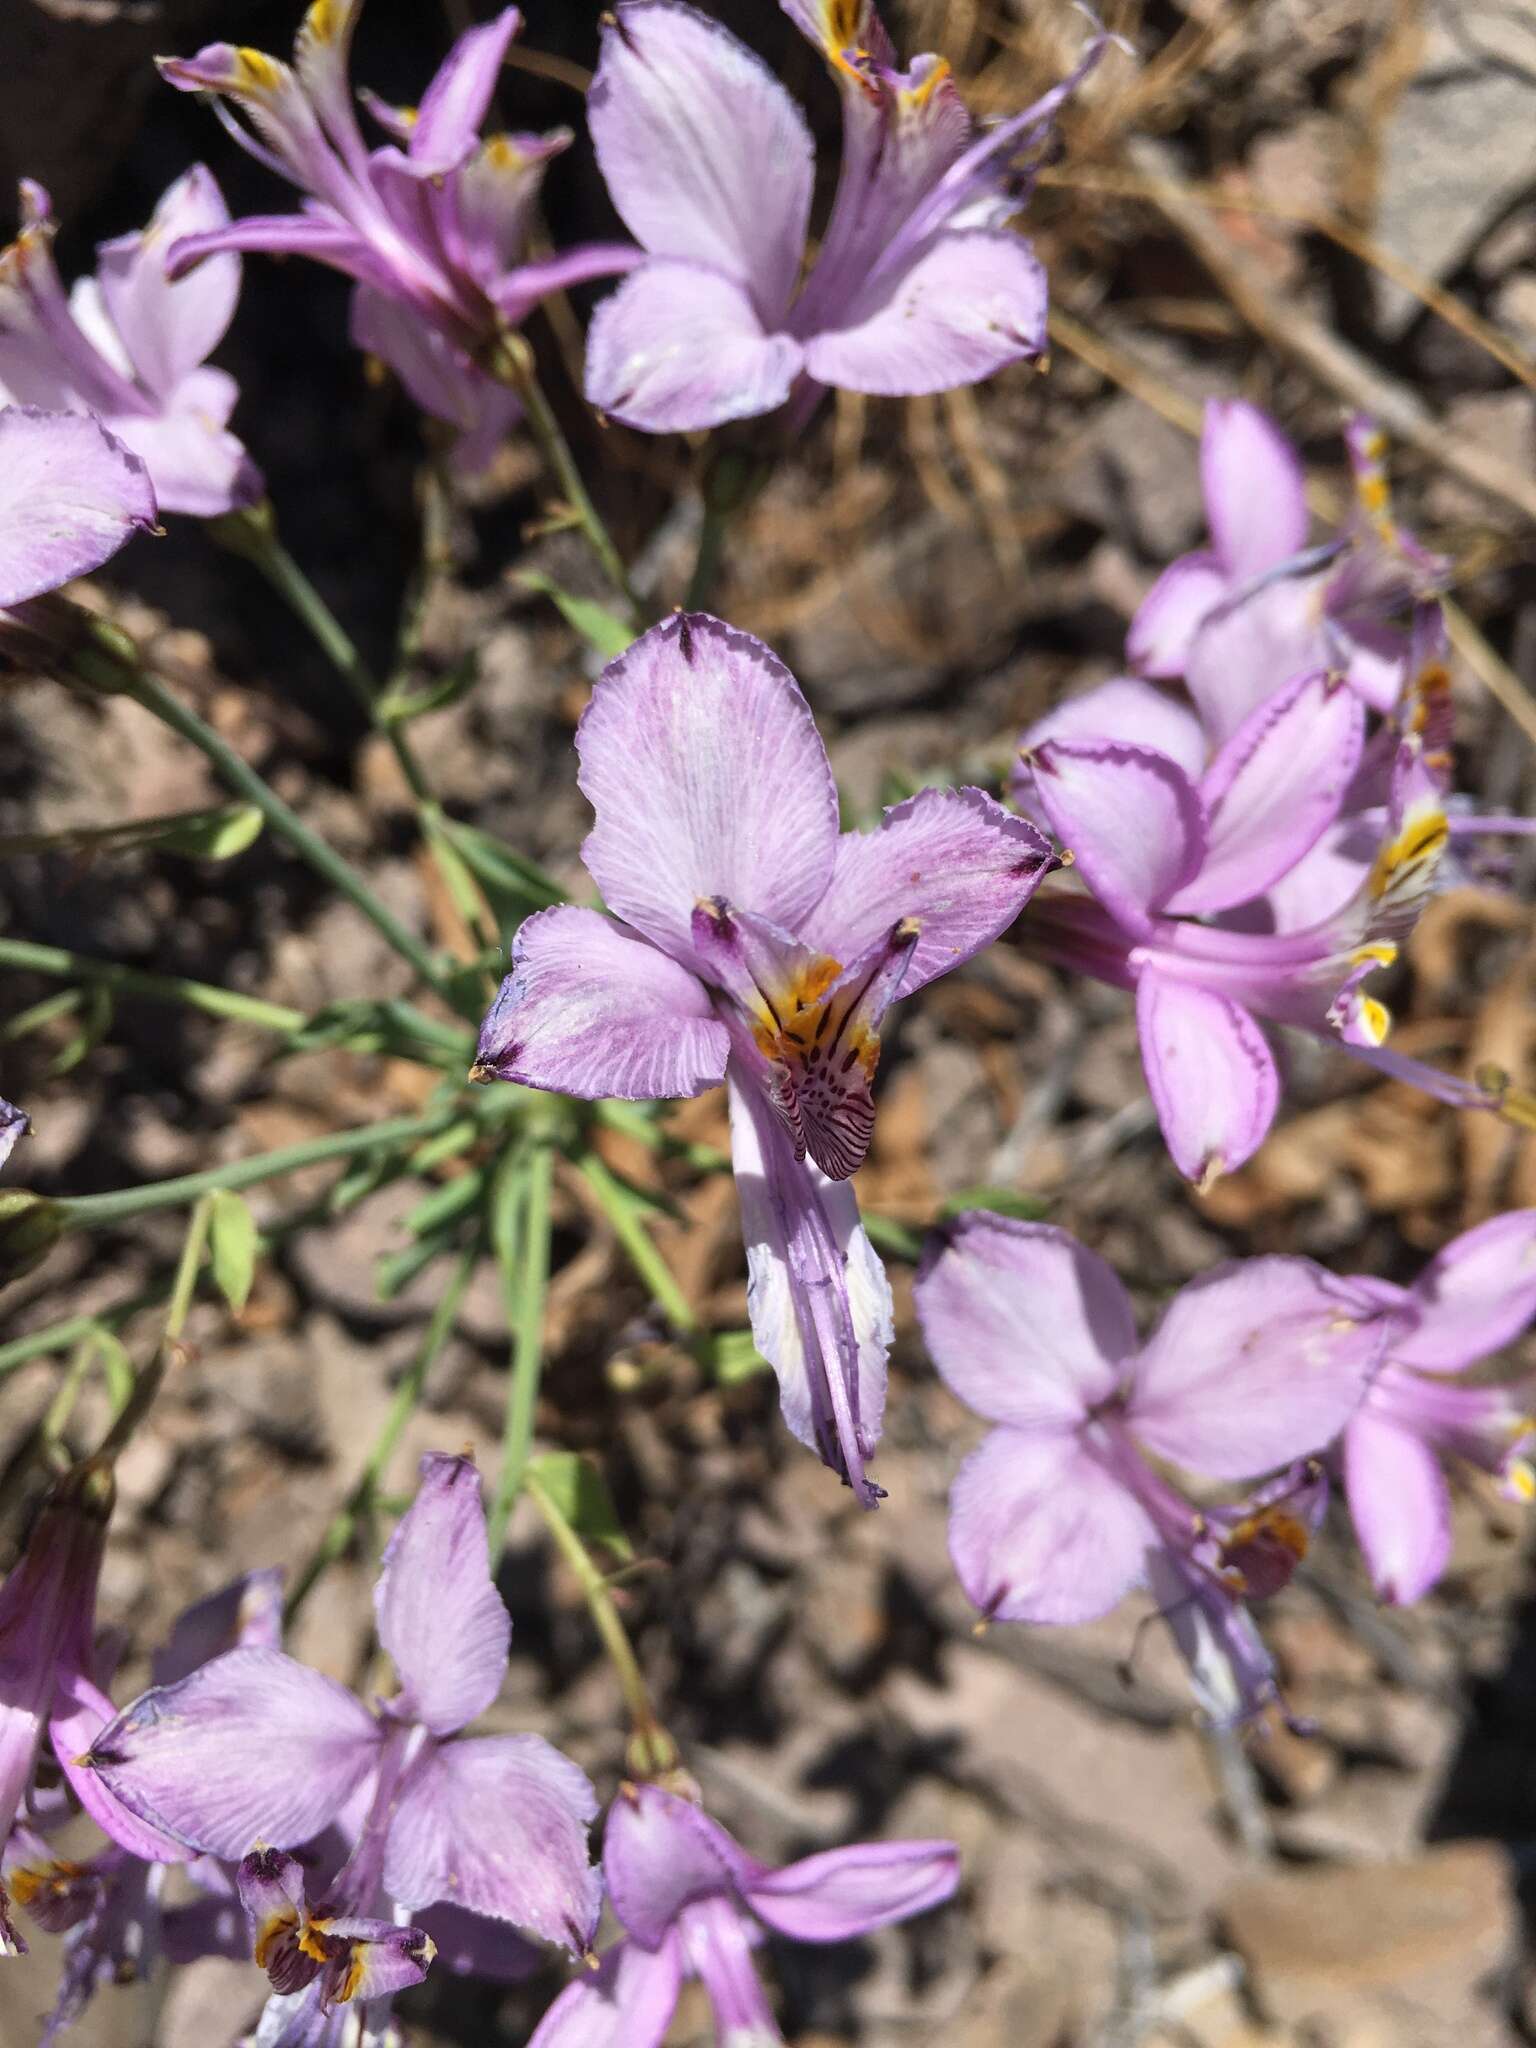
<point>619,1206</point>
<point>90,1211</point>
<point>183,1287</point>
<point>512,363</point>
<point>167,988</point>
<point>522,1242</point>
<point>358,1502</point>
<point>149,691</point>
<point>651,1749</point>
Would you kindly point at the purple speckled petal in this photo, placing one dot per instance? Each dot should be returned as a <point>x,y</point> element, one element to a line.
<point>70,495</point>
<point>589,1009</point>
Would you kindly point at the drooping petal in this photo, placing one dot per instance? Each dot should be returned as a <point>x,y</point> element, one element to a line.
<point>1131,817</point>
<point>1273,790</point>
<point>447,124</point>
<point>1256,1363</point>
<point>591,1010</point>
<point>498,1824</point>
<point>252,1747</point>
<point>845,1893</point>
<point>1040,1531</point>
<point>973,301</point>
<point>1124,708</point>
<point>1025,1324</point>
<point>703,764</point>
<point>817,1296</point>
<point>679,348</point>
<point>1400,1506</point>
<point>1162,632</point>
<point>662,1852</point>
<point>1210,1071</point>
<point>1255,496</point>
<point>440,1618</point>
<point>1245,651</point>
<point>169,329</point>
<point>705,155</point>
<point>1474,1297</point>
<point>716,1940</point>
<point>70,495</point>
<point>627,2003</point>
<point>952,860</point>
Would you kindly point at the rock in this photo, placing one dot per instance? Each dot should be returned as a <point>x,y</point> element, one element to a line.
<point>1318,1942</point>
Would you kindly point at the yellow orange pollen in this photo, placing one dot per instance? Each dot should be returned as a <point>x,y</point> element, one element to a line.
<point>918,96</point>
<point>1521,1479</point>
<point>323,21</point>
<point>255,71</point>
<point>1422,838</point>
<point>271,1932</point>
<point>313,1941</point>
<point>1380,952</point>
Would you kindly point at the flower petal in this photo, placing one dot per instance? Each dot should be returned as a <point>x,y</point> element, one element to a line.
<point>1124,708</point>
<point>1240,657</point>
<point>1474,1297</point>
<point>70,495</point>
<point>441,1620</point>
<point>705,154</point>
<point>438,375</point>
<point>1255,498</point>
<point>973,301</point>
<point>951,859</point>
<point>1212,1076</point>
<point>1400,1505</point>
<point>1254,1364</point>
<point>678,348</point>
<point>1040,1531</point>
<point>197,465</point>
<point>1273,790</point>
<point>1166,621</point>
<point>247,1611</point>
<point>817,1295</point>
<point>708,776</point>
<point>628,2003</point>
<point>591,1010</point>
<point>498,1824</point>
<point>845,1893</point>
<point>170,328</point>
<point>662,1852</point>
<point>717,1940</point>
<point>1132,818</point>
<point>447,122</point>
<point>1026,1325</point>
<point>253,1747</point>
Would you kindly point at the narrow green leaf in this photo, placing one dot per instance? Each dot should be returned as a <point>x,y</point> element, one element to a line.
<point>213,835</point>
<point>514,885</point>
<point>598,626</point>
<point>398,705</point>
<point>216,834</point>
<point>580,1493</point>
<point>1002,1202</point>
<point>731,1356</point>
<point>116,1367</point>
<point>232,1241</point>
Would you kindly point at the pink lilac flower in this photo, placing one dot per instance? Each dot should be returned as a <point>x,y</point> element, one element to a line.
<point>14,1122</point>
<point>754,943</point>
<point>70,495</point>
<point>1473,1298</point>
<point>47,1610</point>
<point>692,1903</point>
<point>1258,606</point>
<point>132,347</point>
<point>918,285</point>
<point>1221,892</point>
<point>1061,1511</point>
<point>433,226</point>
<point>254,1754</point>
<point>110,1907</point>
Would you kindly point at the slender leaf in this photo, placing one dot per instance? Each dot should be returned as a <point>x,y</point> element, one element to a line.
<point>598,626</point>
<point>232,1240</point>
<point>580,1493</point>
